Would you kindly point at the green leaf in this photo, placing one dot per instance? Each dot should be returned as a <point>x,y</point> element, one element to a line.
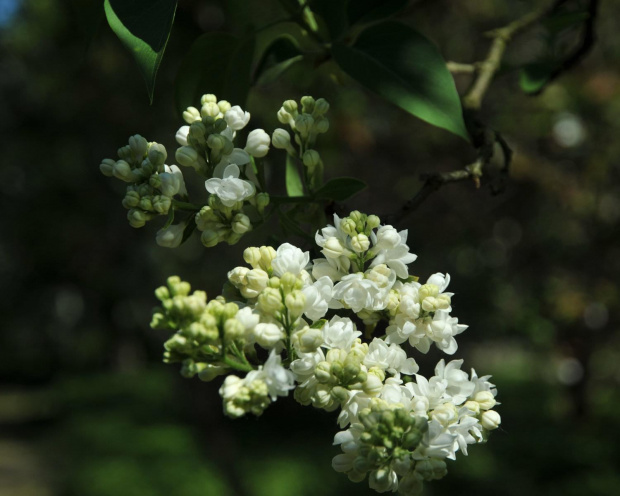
<point>365,11</point>
<point>217,63</point>
<point>406,69</point>
<point>276,59</point>
<point>188,231</point>
<point>294,186</point>
<point>341,188</point>
<point>275,72</point>
<point>143,26</point>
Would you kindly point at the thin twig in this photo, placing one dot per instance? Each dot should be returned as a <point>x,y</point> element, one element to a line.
<point>458,68</point>
<point>501,37</point>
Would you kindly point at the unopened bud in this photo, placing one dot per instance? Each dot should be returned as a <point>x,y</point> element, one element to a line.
<point>490,420</point>
<point>307,104</point>
<point>321,106</point>
<point>241,224</point>
<point>311,159</point>
<point>186,156</point>
<point>360,243</point>
<point>303,124</point>
<point>107,167</point>
<point>209,109</point>
<point>209,238</point>
<point>191,115</point>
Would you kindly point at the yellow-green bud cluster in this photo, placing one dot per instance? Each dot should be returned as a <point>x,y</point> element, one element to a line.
<point>391,434</point>
<point>206,143</point>
<point>282,298</point>
<point>140,164</point>
<point>220,223</point>
<point>306,125</point>
<point>199,326</point>
<point>431,300</point>
<point>357,224</point>
<point>242,396</point>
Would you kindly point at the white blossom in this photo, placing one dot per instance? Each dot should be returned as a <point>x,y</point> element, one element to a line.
<point>258,143</point>
<point>236,118</point>
<point>340,332</point>
<point>230,189</point>
<point>318,296</point>
<point>291,259</point>
<point>170,237</point>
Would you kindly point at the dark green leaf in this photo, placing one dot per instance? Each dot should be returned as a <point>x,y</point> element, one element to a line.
<point>294,186</point>
<point>273,73</point>
<point>406,69</point>
<point>144,28</point>
<point>189,230</point>
<point>276,59</point>
<point>365,11</point>
<point>565,20</point>
<point>341,188</point>
<point>170,219</point>
<point>217,63</point>
<point>333,15</point>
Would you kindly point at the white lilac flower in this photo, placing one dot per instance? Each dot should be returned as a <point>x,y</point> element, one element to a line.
<point>236,118</point>
<point>172,181</point>
<point>333,240</point>
<point>258,143</point>
<point>278,379</point>
<point>249,319</point>
<point>291,259</point>
<point>304,366</point>
<point>340,332</point>
<point>395,255</point>
<point>432,390</point>
<point>442,330</point>
<point>230,189</point>
<point>437,442</point>
<point>170,237</point>
<point>324,267</point>
<point>357,293</point>
<point>318,296</point>
<point>391,358</point>
<point>459,387</point>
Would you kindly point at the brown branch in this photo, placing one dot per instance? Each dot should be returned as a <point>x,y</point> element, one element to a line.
<point>501,37</point>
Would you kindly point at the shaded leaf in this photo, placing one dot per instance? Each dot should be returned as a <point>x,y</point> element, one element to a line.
<point>275,72</point>
<point>276,59</point>
<point>365,11</point>
<point>294,186</point>
<point>217,63</point>
<point>533,77</point>
<point>333,14</point>
<point>188,231</point>
<point>143,26</point>
<point>289,225</point>
<point>406,69</point>
<point>341,188</point>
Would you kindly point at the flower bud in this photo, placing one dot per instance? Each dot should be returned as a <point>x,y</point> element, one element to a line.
<point>251,255</point>
<point>137,218</point>
<point>131,200</point>
<point>267,253</point>
<point>186,156</point>
<point>208,98</point>
<point>233,330</point>
<point>262,200</point>
<point>307,104</point>
<point>311,159</point>
<point>268,335</point>
<point>490,420</point>
<point>281,139</point>
<point>303,124</point>
<point>122,171</point>
<point>474,406</point>
<point>360,243</point>
<point>307,340</point>
<point>181,135</point>
<point>138,146</point>
<point>107,167</point>
<point>170,237</point>
<point>236,118</point>
<point>270,300</point>
<point>373,385</point>
<point>191,115</point>
<point>157,154</point>
<point>383,480</point>
<point>209,109</point>
<point>372,222</point>
<point>258,143</point>
<point>333,248</point>
<point>290,106</point>
<point>321,106</point>
<point>321,125</point>
<point>241,224</point>
<point>485,399</point>
<point>161,204</point>
<point>295,302</point>
<point>224,106</point>
<point>285,118</point>
<point>209,238</point>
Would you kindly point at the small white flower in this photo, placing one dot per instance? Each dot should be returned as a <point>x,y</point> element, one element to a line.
<point>278,379</point>
<point>340,333</point>
<point>172,181</point>
<point>318,297</point>
<point>291,259</point>
<point>236,118</point>
<point>230,189</point>
<point>181,135</point>
<point>391,252</point>
<point>356,292</point>
<point>459,386</point>
<point>389,357</point>
<point>268,336</point>
<point>258,143</point>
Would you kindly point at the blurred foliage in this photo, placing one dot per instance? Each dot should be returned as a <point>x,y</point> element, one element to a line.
<point>86,406</point>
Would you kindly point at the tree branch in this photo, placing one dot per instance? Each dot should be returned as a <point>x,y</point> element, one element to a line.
<point>501,37</point>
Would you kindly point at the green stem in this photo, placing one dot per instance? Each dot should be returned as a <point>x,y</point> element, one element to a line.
<point>233,364</point>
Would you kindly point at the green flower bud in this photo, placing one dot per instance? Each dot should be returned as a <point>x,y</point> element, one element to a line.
<point>321,106</point>
<point>138,146</point>
<point>241,224</point>
<point>262,200</point>
<point>321,125</point>
<point>281,139</point>
<point>107,167</point>
<point>137,218</point>
<point>161,204</point>
<point>295,302</point>
<point>157,154</point>
<point>186,156</point>
<point>234,330</point>
<point>162,293</point>
<point>146,204</point>
<point>191,115</point>
<point>122,170</point>
<point>270,301</point>
<point>322,372</point>
<point>360,243</point>
<point>372,222</point>
<point>131,200</point>
<point>220,125</point>
<point>307,104</point>
<point>412,439</point>
<point>287,281</point>
<point>290,106</point>
<point>209,238</point>
<point>311,159</point>
<point>340,394</point>
<point>348,226</point>
<point>303,124</point>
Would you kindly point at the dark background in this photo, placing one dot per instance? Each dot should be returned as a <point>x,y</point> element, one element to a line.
<point>86,406</point>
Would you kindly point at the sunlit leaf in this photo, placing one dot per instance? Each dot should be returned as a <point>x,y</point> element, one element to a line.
<point>217,63</point>
<point>144,27</point>
<point>406,69</point>
<point>341,188</point>
<point>294,186</point>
